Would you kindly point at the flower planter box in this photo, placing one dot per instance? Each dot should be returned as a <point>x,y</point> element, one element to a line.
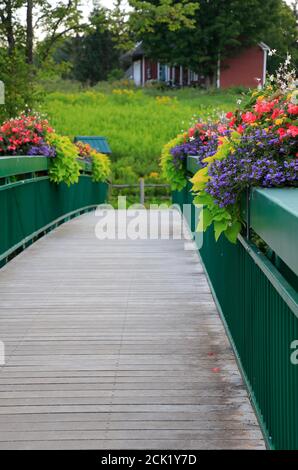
<point>258,303</point>
<point>12,166</point>
<point>274,217</point>
<point>32,205</point>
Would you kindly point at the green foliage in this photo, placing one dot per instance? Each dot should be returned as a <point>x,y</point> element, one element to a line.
<point>101,167</point>
<point>137,128</point>
<point>167,14</point>
<point>22,58</point>
<point>282,36</point>
<point>94,55</point>
<point>21,90</point>
<point>224,220</point>
<point>220,27</point>
<point>65,166</point>
<point>174,174</point>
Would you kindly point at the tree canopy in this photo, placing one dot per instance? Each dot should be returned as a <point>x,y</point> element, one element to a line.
<point>217,27</point>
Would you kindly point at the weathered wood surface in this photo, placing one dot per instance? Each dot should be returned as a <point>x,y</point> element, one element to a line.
<point>116,344</point>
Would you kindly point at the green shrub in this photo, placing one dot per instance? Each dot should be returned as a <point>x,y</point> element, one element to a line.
<point>65,166</point>
<point>101,166</point>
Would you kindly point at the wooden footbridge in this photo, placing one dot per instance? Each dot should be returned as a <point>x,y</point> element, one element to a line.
<point>126,343</point>
<point>116,344</point>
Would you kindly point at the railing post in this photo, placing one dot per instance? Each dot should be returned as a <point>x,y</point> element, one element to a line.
<point>142,191</point>
<point>248,193</point>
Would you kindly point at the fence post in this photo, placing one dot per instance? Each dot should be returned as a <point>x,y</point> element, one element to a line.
<point>142,191</point>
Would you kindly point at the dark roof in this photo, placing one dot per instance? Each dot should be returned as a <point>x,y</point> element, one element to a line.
<point>135,53</point>
<point>138,51</point>
<point>96,142</point>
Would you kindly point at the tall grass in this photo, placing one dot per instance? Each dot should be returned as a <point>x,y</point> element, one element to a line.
<point>136,123</point>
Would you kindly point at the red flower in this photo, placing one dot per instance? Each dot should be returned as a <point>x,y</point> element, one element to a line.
<point>191,132</point>
<point>276,113</point>
<point>240,129</point>
<point>292,108</point>
<point>229,115</point>
<point>293,131</point>
<point>282,132</point>
<point>249,117</point>
<point>263,106</point>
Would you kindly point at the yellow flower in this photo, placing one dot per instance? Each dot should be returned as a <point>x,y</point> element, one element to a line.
<point>278,122</point>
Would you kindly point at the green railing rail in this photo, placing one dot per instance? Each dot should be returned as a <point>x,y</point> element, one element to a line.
<point>258,301</point>
<point>30,205</point>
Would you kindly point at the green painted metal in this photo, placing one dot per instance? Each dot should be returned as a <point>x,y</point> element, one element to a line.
<point>19,165</point>
<point>259,309</point>
<point>192,165</point>
<point>33,205</point>
<point>97,142</point>
<point>274,217</point>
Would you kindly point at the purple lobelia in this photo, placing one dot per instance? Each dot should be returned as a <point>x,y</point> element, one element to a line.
<point>42,150</point>
<point>196,147</point>
<point>260,159</point>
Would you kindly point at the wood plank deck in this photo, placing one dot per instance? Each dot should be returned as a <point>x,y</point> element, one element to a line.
<point>116,345</point>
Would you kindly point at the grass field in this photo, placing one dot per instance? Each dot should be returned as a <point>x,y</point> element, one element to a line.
<point>136,123</point>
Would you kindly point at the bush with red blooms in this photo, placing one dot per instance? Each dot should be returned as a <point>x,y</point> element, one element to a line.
<point>25,135</point>
<point>31,135</point>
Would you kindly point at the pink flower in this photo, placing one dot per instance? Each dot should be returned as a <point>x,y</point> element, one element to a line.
<point>292,131</point>
<point>276,113</point>
<point>249,117</point>
<point>292,108</point>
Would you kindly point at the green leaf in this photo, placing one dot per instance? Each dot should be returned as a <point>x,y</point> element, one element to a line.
<point>232,231</point>
<point>203,198</point>
<point>205,220</point>
<point>219,227</point>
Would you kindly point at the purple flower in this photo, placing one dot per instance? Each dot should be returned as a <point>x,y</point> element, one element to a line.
<point>42,149</point>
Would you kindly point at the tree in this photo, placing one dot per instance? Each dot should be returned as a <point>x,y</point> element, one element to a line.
<point>219,28</point>
<point>95,54</point>
<point>119,26</point>
<point>19,54</point>
<point>282,36</point>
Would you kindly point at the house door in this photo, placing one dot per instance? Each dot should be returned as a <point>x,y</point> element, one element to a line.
<point>137,76</point>
<point>162,73</point>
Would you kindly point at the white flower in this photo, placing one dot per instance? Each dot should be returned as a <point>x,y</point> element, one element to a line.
<point>288,59</point>
<point>239,101</point>
<point>271,78</point>
<point>272,52</point>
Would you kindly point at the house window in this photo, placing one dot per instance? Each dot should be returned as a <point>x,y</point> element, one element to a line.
<point>162,73</point>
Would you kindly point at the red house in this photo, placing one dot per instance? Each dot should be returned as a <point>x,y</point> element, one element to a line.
<point>247,68</point>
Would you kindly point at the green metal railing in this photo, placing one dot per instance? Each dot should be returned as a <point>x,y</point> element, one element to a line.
<point>258,303</point>
<point>30,205</point>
